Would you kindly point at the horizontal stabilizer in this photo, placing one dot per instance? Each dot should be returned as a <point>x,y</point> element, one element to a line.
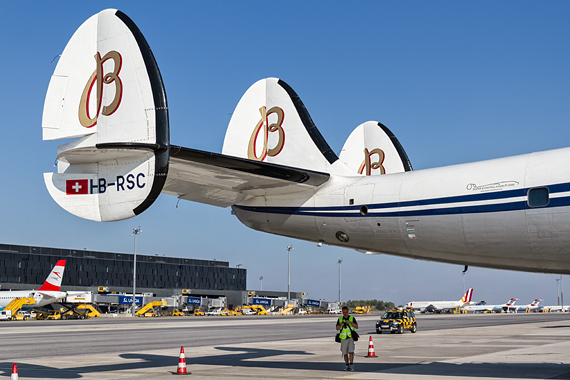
<point>222,180</point>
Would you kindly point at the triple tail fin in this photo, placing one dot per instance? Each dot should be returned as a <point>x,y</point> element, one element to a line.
<point>467,296</point>
<point>372,149</point>
<point>271,124</point>
<point>53,281</point>
<point>107,90</point>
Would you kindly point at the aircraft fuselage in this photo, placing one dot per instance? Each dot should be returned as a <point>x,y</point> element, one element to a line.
<point>509,213</point>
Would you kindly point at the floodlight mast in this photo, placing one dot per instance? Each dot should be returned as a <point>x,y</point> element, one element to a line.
<point>289,248</point>
<point>339,262</point>
<point>136,231</point>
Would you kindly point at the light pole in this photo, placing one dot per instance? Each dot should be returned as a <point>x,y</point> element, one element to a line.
<point>339,262</point>
<point>561,293</point>
<point>261,286</point>
<point>558,290</point>
<point>289,248</point>
<point>136,231</point>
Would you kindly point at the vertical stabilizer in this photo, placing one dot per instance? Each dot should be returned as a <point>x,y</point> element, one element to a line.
<point>372,149</point>
<point>53,281</point>
<point>271,124</point>
<point>107,90</point>
<point>467,296</point>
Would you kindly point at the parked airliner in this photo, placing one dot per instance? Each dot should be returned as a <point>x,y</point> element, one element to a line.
<point>439,306</point>
<point>508,306</point>
<point>48,293</point>
<point>279,175</point>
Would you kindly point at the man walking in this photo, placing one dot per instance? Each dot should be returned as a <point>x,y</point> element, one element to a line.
<point>346,325</point>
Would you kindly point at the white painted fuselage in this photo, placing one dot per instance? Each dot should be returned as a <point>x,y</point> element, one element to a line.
<point>42,298</point>
<point>470,214</point>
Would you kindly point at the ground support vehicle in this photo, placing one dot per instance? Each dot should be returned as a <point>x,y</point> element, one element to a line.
<point>397,321</point>
<point>236,311</point>
<point>254,309</point>
<point>149,309</point>
<point>17,303</point>
<point>21,316</point>
<point>90,310</point>
<point>56,314</point>
<point>362,310</point>
<point>5,315</point>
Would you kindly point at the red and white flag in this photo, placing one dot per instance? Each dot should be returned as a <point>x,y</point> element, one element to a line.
<point>76,186</point>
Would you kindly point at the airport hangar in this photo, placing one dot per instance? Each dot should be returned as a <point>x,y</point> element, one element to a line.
<point>27,267</point>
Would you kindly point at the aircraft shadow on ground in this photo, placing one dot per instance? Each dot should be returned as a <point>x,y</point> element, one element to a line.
<point>246,358</point>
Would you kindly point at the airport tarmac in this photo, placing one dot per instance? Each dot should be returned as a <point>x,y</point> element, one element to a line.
<point>513,346</point>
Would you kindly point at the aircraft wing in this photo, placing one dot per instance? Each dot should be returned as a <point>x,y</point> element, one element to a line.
<point>222,180</point>
<point>431,308</point>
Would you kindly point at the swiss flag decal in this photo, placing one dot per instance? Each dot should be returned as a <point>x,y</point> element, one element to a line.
<point>76,186</point>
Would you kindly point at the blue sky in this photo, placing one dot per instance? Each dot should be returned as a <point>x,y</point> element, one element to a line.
<point>455,81</point>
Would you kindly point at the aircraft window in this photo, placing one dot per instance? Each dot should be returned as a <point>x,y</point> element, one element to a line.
<point>351,202</point>
<point>363,210</point>
<point>538,197</point>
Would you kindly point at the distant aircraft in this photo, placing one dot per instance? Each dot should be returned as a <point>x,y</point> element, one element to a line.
<point>508,306</point>
<point>534,305</point>
<point>280,176</point>
<point>48,293</point>
<point>431,306</point>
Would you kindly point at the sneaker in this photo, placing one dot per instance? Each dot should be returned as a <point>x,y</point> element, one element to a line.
<point>347,368</point>
<point>351,368</point>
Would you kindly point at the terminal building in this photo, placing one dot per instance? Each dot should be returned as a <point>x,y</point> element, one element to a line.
<point>27,267</point>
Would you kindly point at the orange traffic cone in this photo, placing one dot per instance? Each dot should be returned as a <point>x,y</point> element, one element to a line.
<point>182,363</point>
<point>371,353</point>
<point>14,372</point>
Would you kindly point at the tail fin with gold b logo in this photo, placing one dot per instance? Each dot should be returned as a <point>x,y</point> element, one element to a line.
<point>271,124</point>
<point>372,149</point>
<point>107,92</point>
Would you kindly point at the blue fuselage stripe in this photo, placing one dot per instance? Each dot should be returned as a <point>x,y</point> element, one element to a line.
<point>375,210</point>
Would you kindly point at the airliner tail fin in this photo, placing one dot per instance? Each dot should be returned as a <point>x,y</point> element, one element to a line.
<point>467,296</point>
<point>53,281</point>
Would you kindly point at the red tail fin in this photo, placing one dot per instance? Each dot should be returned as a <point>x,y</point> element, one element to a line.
<point>53,281</point>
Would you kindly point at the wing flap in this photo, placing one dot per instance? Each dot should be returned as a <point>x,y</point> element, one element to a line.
<point>222,180</point>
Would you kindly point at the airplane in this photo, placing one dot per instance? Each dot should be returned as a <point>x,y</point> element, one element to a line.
<point>279,175</point>
<point>555,309</point>
<point>48,293</point>
<point>439,306</point>
<point>534,305</point>
<point>481,307</point>
<point>507,307</point>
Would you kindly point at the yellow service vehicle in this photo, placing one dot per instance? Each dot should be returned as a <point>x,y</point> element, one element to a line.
<point>396,321</point>
<point>198,312</point>
<point>56,314</point>
<point>362,310</point>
